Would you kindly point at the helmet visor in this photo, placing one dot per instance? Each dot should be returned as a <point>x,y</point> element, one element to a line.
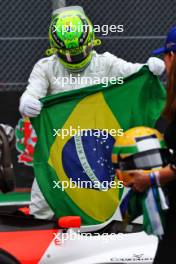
<point>146,160</point>
<point>69,56</point>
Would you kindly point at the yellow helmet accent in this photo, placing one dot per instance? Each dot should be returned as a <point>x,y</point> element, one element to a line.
<point>141,141</point>
<point>127,144</point>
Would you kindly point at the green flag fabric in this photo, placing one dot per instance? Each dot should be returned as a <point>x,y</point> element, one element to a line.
<point>76,131</point>
<point>151,204</point>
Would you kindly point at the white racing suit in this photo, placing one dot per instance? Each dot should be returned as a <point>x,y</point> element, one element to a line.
<point>46,78</point>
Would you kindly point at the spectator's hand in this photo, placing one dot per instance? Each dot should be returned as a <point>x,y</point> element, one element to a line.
<point>156,65</point>
<point>30,106</point>
<point>140,181</point>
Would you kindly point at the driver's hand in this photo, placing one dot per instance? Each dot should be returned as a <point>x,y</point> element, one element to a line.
<point>30,106</point>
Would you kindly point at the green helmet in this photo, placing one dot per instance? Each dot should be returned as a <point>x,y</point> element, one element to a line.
<point>72,38</point>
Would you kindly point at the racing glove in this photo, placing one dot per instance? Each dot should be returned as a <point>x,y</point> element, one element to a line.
<point>30,106</point>
<point>156,65</point>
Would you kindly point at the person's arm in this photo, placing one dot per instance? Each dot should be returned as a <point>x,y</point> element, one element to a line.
<point>141,181</point>
<point>37,88</point>
<point>166,175</point>
<point>122,68</point>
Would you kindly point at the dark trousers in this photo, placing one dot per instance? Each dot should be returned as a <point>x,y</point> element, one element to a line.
<point>166,252</point>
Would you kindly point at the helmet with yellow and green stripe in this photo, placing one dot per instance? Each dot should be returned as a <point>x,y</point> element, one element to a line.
<point>72,38</point>
<point>140,148</point>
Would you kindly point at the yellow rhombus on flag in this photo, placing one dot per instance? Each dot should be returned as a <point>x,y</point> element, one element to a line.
<point>83,161</point>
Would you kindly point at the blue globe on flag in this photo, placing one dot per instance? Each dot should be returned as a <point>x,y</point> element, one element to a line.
<point>87,158</point>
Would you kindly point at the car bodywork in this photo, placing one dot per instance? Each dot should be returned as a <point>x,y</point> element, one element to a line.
<point>26,240</point>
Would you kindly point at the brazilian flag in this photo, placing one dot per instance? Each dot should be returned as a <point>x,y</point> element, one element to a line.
<point>86,157</point>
